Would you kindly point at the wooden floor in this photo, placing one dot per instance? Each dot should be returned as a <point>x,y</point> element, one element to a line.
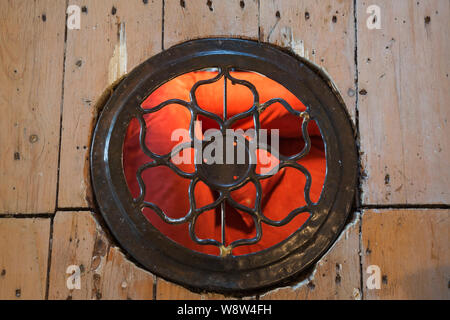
<point>394,81</point>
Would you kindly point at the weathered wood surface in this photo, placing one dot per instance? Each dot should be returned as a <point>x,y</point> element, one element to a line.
<point>31,63</point>
<point>115,37</point>
<point>169,291</point>
<point>411,249</point>
<point>105,272</point>
<point>166,290</point>
<point>23,258</point>
<point>404,106</point>
<point>335,276</point>
<point>186,20</point>
<point>320,31</point>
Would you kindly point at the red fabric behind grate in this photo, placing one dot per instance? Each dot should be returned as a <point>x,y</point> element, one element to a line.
<point>281,193</point>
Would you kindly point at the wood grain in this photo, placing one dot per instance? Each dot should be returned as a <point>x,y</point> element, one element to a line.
<point>198,19</point>
<point>336,275</point>
<point>106,46</point>
<point>320,31</point>
<point>166,290</point>
<point>105,272</point>
<point>23,258</point>
<point>404,105</point>
<point>31,64</point>
<point>170,291</point>
<point>411,249</point>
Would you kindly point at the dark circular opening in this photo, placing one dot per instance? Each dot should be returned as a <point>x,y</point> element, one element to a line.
<point>229,227</point>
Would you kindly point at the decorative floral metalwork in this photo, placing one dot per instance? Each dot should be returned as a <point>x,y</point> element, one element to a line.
<point>224,190</point>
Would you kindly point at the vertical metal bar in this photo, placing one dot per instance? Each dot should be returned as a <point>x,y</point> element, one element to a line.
<point>224,97</point>
<point>222,205</point>
<point>222,222</point>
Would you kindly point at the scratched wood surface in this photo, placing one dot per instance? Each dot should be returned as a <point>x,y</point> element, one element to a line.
<point>320,31</point>
<point>336,275</point>
<point>31,62</point>
<point>105,272</point>
<point>411,249</point>
<point>166,290</point>
<point>169,291</point>
<point>404,105</point>
<point>115,37</point>
<point>23,258</point>
<point>186,20</point>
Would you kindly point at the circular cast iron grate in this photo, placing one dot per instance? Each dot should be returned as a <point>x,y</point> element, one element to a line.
<point>225,272</point>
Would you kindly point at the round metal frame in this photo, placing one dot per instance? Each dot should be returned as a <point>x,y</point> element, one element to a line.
<point>225,273</point>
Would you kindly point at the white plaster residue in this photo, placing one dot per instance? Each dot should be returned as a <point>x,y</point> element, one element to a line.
<point>100,264</point>
<point>306,281</point>
<point>298,46</point>
<point>118,62</point>
<point>356,294</point>
<point>345,232</point>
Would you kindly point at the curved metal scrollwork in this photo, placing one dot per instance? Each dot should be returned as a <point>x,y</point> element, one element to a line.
<point>223,190</point>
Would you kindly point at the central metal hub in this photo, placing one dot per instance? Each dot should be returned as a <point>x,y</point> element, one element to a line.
<point>225,163</point>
